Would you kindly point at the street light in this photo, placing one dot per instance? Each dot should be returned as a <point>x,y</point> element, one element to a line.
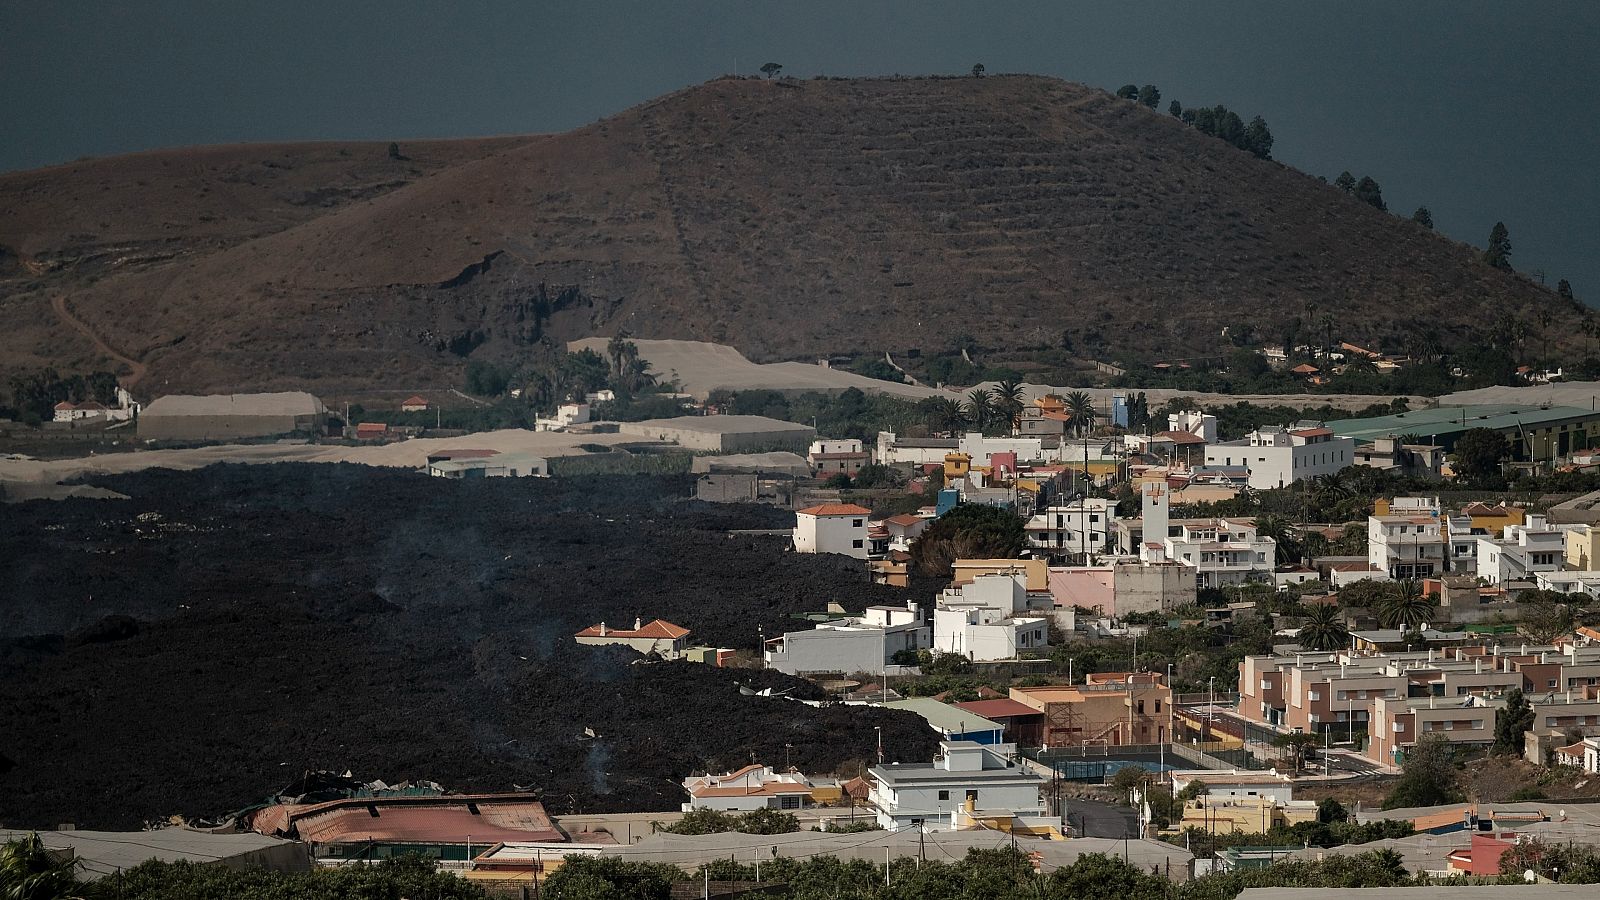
<point>879,730</point>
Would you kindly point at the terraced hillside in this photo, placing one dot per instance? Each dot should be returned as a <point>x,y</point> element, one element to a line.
<point>786,218</point>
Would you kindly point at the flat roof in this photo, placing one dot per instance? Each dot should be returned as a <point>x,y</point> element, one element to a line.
<point>1451,420</point>
<point>944,717</point>
<point>283,403</point>
<point>720,424</point>
<point>105,853</point>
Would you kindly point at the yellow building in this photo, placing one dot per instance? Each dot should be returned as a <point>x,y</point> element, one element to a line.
<point>1036,572</point>
<point>956,465</point>
<point>1493,519</point>
<point>1251,815</point>
<point>1583,548</point>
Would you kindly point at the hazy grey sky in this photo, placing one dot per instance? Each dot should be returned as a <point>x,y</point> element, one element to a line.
<point>1479,110</point>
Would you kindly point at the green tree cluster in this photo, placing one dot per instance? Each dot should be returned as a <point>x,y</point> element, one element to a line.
<point>969,531</point>
<point>1225,124</point>
<point>711,821</point>
<point>1427,776</point>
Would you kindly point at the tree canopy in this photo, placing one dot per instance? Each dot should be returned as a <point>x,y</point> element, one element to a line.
<point>1498,253</point>
<point>970,531</point>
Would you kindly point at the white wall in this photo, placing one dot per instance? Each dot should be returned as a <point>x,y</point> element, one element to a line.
<point>845,535</point>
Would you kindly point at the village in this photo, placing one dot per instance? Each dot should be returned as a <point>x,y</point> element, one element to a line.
<point>1059,535</point>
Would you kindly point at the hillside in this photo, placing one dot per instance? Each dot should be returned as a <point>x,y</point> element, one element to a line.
<point>785,218</point>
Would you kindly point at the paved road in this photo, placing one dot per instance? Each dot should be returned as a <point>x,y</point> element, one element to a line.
<point>1094,818</point>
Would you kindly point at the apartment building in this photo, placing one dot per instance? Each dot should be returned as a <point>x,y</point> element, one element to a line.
<point>1397,724</point>
<point>990,618</point>
<point>1396,697</point>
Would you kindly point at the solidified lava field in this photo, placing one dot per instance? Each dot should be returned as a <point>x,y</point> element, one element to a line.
<point>190,650</point>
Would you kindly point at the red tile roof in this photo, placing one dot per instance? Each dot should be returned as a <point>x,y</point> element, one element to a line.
<point>65,405</point>
<point>1312,432</point>
<point>998,709</point>
<point>1305,369</point>
<point>836,509</point>
<point>903,519</point>
<point>413,401</point>
<point>657,628</point>
<point>1180,437</point>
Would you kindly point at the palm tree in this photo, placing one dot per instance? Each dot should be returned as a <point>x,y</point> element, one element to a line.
<point>1280,531</point>
<point>1406,608</point>
<point>943,414</point>
<point>1323,630</point>
<point>980,406</point>
<point>1008,399</point>
<point>30,872</point>
<point>1080,408</point>
<point>1360,364</point>
<point>616,349</point>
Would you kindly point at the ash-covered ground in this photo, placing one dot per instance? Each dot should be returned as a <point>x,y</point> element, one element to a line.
<point>192,649</point>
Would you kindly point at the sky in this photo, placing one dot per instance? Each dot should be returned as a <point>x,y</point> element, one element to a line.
<point>1478,110</point>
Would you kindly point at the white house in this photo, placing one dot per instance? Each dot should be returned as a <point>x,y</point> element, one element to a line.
<point>1079,526</point>
<point>567,414</point>
<point>980,447</point>
<point>832,528</point>
<point>966,776</point>
<point>987,619</point>
<point>893,449</point>
<point>1194,422</point>
<point>414,404</point>
<point>1522,550</point>
<point>1221,551</point>
<point>1215,783</point>
<point>752,787</point>
<point>865,643</point>
<point>1277,456</point>
<point>1409,544</point>
<point>494,465</point>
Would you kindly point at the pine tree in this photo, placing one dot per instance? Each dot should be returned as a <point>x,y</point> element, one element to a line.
<point>1176,109</point>
<point>1424,217</point>
<point>1258,138</point>
<point>1368,191</point>
<point>1499,252</point>
<point>1128,92</point>
<point>1150,95</point>
<point>1345,182</point>
<point>1564,290</point>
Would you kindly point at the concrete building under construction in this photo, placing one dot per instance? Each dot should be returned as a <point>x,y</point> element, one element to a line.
<point>1110,709</point>
<point>222,417</point>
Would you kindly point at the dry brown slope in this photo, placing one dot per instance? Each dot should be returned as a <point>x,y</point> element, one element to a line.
<point>796,218</point>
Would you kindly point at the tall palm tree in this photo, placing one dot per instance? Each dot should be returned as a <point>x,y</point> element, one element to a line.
<point>1080,408</point>
<point>1280,531</point>
<point>1324,630</point>
<point>616,349</point>
<point>1008,402</point>
<point>943,414</point>
<point>980,407</point>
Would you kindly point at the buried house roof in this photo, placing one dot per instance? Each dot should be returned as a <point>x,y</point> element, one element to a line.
<point>656,628</point>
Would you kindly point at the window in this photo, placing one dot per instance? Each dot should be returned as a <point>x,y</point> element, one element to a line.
<point>973,796</point>
<point>1141,707</point>
<point>856,544</point>
<point>855,523</point>
<point>791,802</point>
<point>944,795</point>
<point>1158,706</point>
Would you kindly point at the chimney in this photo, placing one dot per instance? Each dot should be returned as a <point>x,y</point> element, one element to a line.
<point>1478,666</point>
<point>1430,701</point>
<point>638,623</point>
<point>1541,657</point>
<point>602,629</point>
